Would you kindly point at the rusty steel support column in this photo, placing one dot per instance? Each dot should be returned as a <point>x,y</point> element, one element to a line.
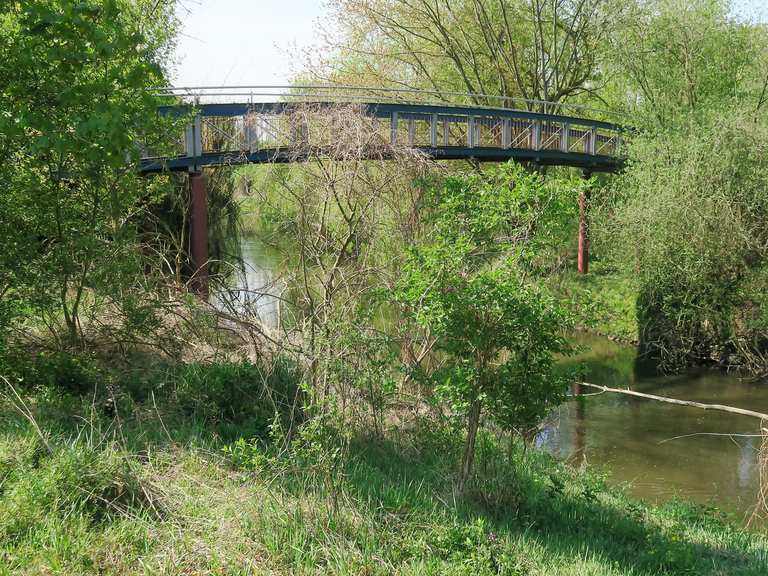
<point>583,256</point>
<point>198,241</point>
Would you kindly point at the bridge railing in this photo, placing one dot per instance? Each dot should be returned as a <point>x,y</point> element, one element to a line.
<point>361,94</point>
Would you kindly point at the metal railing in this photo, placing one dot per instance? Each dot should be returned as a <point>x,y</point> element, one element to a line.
<point>349,93</point>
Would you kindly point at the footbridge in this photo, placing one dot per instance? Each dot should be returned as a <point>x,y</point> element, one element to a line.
<point>240,125</point>
<point>258,124</point>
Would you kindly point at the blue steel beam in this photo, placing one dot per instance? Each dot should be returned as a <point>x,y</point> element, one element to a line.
<point>382,110</point>
<point>597,163</point>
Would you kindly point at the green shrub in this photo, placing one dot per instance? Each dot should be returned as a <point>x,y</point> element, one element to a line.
<point>236,391</point>
<point>250,455</point>
<point>472,548</point>
<point>686,220</point>
<point>467,284</point>
<point>60,371</point>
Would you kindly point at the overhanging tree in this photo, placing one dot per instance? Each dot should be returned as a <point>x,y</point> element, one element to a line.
<point>75,113</point>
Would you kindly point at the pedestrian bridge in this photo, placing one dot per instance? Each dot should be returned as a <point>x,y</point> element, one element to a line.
<point>241,125</point>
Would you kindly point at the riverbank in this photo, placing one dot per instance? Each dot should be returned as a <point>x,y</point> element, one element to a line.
<point>171,485</point>
<point>632,439</point>
<point>603,302</point>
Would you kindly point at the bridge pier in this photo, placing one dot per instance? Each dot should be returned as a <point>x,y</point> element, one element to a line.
<point>198,241</point>
<point>583,249</point>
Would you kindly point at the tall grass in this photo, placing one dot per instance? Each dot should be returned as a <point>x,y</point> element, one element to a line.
<point>162,487</point>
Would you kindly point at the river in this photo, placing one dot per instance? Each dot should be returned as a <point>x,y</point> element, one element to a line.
<point>256,289</point>
<point>657,450</point>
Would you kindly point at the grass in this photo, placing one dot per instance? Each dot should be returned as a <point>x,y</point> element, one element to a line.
<point>167,488</point>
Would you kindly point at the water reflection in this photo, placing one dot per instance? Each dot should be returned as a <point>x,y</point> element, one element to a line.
<point>658,448</point>
<point>257,291</point>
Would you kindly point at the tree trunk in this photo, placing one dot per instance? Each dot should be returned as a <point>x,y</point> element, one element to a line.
<point>469,447</point>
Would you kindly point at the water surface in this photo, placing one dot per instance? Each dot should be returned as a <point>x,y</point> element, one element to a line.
<point>256,290</point>
<point>661,450</point>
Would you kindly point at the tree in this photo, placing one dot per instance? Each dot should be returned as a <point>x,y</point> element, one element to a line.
<point>76,111</point>
<point>469,283</point>
<point>343,209</point>
<point>685,216</point>
<point>530,49</point>
<point>687,219</point>
<point>672,60</point>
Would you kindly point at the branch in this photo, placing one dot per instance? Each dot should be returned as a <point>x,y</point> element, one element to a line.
<point>763,97</point>
<point>719,407</point>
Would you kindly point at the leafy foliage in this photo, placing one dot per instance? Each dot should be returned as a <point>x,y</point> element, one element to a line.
<point>466,285</point>
<point>676,59</point>
<point>689,223</point>
<point>543,51</point>
<point>75,113</point>
<point>236,392</point>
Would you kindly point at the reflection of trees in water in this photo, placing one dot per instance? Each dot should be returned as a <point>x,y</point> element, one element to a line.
<point>603,362</point>
<point>261,289</point>
<point>579,432</point>
<point>745,471</point>
<point>256,290</point>
<point>565,434</point>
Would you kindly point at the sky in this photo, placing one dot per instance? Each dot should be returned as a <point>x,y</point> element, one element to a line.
<point>261,42</point>
<point>245,42</point>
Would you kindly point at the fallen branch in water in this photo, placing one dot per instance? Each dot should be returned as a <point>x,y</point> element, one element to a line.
<point>702,406</point>
<point>718,434</point>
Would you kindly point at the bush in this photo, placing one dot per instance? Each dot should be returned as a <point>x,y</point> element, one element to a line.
<point>474,549</point>
<point>237,391</point>
<point>687,219</point>
<point>61,371</point>
<point>467,284</point>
